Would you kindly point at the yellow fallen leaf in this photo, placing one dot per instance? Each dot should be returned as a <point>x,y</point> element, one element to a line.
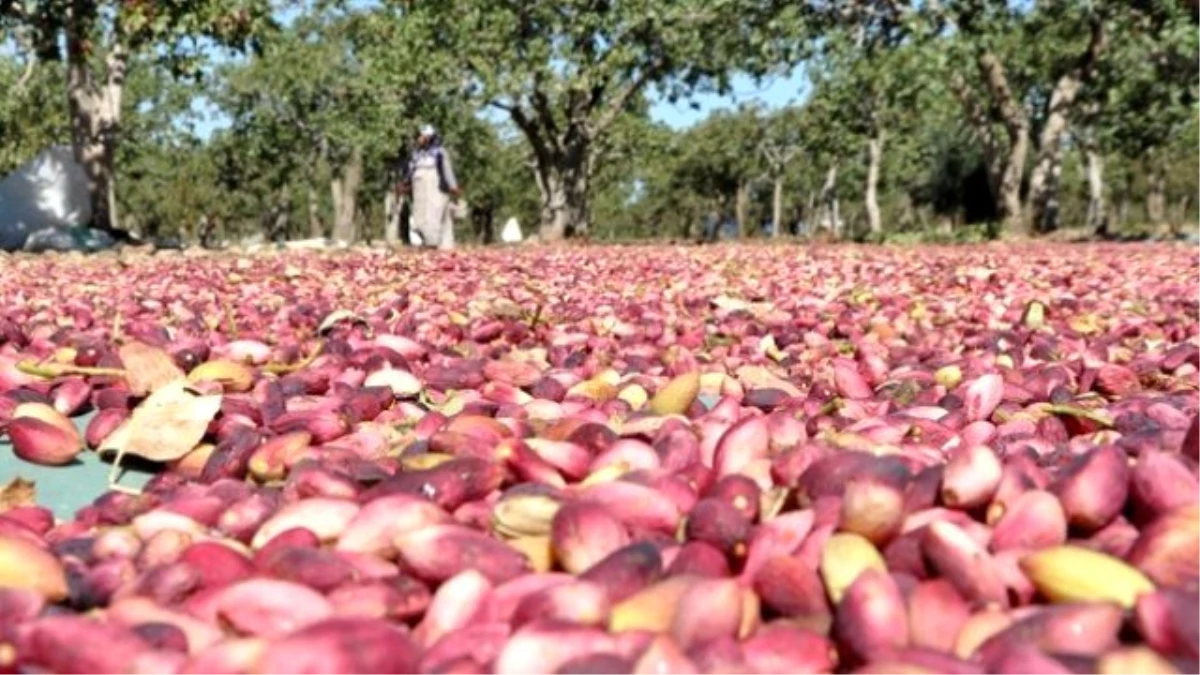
<point>147,368</point>
<point>17,492</point>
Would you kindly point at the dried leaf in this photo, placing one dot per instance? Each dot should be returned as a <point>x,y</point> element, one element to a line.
<point>166,426</point>
<point>1098,416</point>
<point>771,350</point>
<point>1086,324</point>
<point>772,501</point>
<point>147,368</point>
<point>503,308</point>
<point>758,377</point>
<point>337,316</point>
<point>729,304</point>
<point>17,492</point>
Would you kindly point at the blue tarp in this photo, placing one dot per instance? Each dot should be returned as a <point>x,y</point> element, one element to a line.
<point>46,193</point>
<point>66,489</point>
<point>69,239</point>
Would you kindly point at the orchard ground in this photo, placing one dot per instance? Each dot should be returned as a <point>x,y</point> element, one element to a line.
<point>772,458</point>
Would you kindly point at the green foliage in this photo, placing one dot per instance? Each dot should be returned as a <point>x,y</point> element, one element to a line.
<point>721,153</point>
<point>32,116</point>
<point>524,92</point>
<point>176,34</point>
<point>1146,91</point>
<point>565,72</point>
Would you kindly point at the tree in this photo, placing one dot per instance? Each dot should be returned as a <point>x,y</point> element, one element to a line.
<point>491,165</point>
<point>30,117</point>
<point>166,173</point>
<point>989,37</point>
<point>96,39</point>
<point>873,75</point>
<point>828,131</point>
<point>1142,100</point>
<point>304,102</point>
<point>781,143</point>
<point>662,200</point>
<point>1032,67</point>
<point>864,32</point>
<point>722,159</point>
<point>920,115</point>
<point>565,71</point>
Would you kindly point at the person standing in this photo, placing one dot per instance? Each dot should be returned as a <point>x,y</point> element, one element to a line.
<point>429,178</point>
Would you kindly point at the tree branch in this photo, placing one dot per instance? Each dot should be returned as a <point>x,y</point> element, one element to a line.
<point>600,64</point>
<point>620,101</point>
<point>1097,45</point>
<point>26,45</point>
<point>541,107</point>
<point>541,151</point>
<point>977,118</point>
<point>25,75</point>
<point>994,76</point>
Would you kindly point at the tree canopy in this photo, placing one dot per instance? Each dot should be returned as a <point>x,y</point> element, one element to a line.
<point>948,119</point>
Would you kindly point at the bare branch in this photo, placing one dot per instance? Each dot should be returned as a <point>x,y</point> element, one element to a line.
<point>541,150</point>
<point>541,106</point>
<point>26,75</point>
<point>993,74</point>
<point>621,99</point>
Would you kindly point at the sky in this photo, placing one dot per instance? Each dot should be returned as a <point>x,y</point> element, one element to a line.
<point>773,93</point>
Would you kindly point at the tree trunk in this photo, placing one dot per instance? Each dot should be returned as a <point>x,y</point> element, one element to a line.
<point>205,230</point>
<point>344,188</point>
<point>1048,221</point>
<point>740,204</point>
<point>1005,161</point>
<point>1043,182</point>
<point>1179,219</point>
<point>1008,190</point>
<point>392,206</point>
<point>277,219</point>
<point>778,159</point>
<point>564,208</point>
<point>829,202</point>
<point>95,111</point>
<point>776,207</point>
<point>484,222</point>
<point>282,223</point>
<point>874,159</point>
<point>1097,209</point>
<point>1156,190</point>
<point>316,229</point>
<point>811,217</point>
